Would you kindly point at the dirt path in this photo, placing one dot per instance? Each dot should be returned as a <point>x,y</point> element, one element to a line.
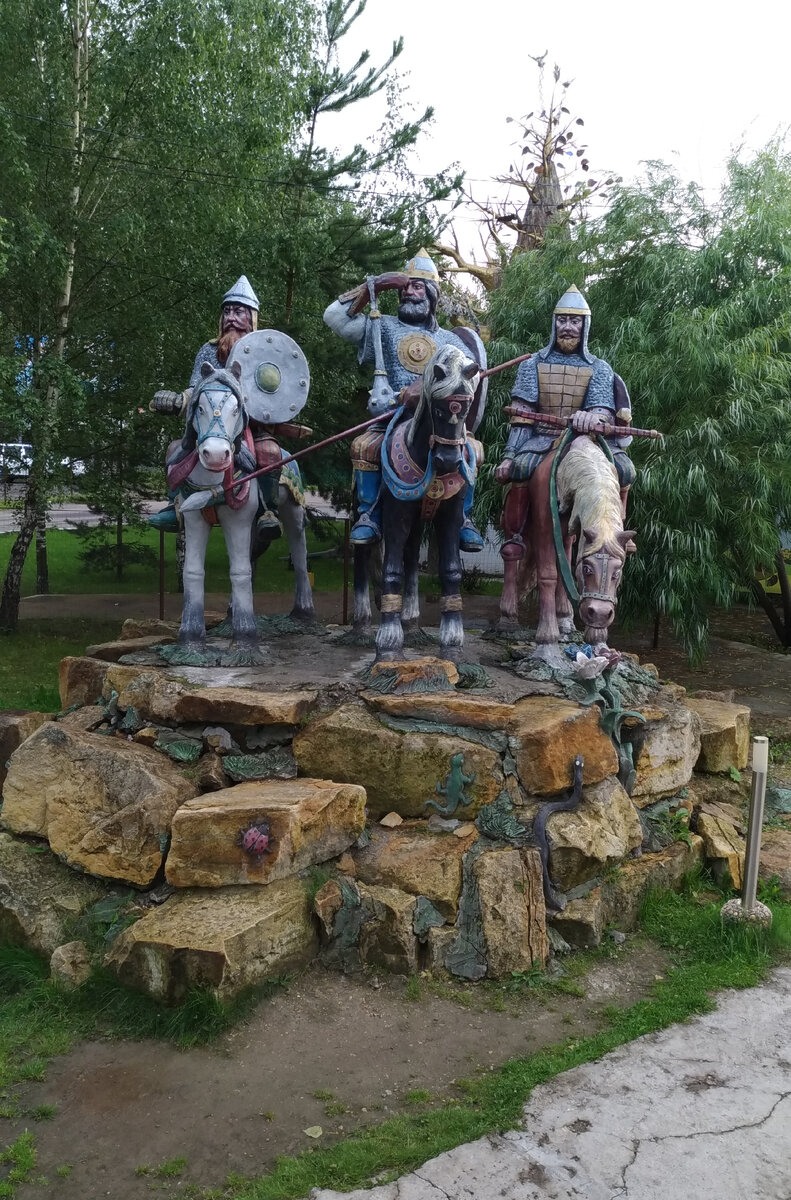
<point>357,1041</point>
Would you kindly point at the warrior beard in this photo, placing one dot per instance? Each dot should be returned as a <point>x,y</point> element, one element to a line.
<point>415,312</point>
<point>226,343</point>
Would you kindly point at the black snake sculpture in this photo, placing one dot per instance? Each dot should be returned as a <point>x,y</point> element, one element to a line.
<point>554,902</point>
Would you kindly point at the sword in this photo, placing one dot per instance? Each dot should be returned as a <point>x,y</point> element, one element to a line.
<point>516,410</point>
<point>211,495</point>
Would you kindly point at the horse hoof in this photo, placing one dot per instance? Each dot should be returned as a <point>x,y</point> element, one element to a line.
<point>507,624</point>
<point>306,616</point>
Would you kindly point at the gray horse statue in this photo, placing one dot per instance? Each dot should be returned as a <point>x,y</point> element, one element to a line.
<point>216,448</point>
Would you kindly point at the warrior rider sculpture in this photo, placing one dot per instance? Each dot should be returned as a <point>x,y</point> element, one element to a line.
<point>566,380</point>
<point>408,341</point>
<point>238,316</point>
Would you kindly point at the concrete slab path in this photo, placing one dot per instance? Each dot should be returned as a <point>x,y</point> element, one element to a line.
<point>701,1110</point>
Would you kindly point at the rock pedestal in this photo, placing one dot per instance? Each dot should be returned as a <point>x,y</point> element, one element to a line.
<point>224,940</point>
<point>104,805</point>
<point>308,821</point>
<point>401,769</point>
<point>415,795</point>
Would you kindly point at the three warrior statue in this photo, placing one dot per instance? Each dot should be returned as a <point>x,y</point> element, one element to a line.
<point>565,472</point>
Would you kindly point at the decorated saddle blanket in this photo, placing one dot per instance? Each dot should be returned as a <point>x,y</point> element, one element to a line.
<point>178,474</point>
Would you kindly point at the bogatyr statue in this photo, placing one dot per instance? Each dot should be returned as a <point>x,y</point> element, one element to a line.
<point>238,317</point>
<point>400,349</point>
<point>576,389</point>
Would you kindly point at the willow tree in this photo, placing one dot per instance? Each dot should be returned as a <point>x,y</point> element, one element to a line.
<point>691,304</point>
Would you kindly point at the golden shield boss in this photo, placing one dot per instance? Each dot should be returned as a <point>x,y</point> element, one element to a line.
<point>415,350</point>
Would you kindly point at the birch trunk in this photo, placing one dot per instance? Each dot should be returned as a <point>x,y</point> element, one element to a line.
<point>37,497</point>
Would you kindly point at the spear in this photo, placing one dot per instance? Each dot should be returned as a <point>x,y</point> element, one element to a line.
<point>516,410</point>
<point>212,495</point>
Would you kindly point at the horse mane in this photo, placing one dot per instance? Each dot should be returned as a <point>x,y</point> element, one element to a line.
<point>439,388</point>
<point>189,442</point>
<point>588,485</point>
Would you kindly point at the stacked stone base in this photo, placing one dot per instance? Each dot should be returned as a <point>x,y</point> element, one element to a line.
<point>189,835</point>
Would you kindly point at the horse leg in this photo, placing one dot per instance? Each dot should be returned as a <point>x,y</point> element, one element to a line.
<point>236,526</point>
<point>193,623</point>
<point>564,609</point>
<point>451,626</point>
<point>398,518</point>
<point>515,509</point>
<point>410,617</point>
<point>361,618</point>
<point>293,520</point>
<point>547,632</point>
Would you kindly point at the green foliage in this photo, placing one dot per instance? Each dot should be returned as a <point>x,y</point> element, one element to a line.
<point>692,305</point>
<point>20,1159</point>
<point>130,204</point>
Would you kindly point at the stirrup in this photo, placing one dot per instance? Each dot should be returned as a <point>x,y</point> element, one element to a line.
<point>268,523</point>
<point>470,540</point>
<point>365,531</point>
<point>513,548</point>
<point>166,519</point>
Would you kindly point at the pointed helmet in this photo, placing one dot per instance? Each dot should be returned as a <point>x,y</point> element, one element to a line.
<point>572,303</point>
<point>422,267</point>
<point>241,293</point>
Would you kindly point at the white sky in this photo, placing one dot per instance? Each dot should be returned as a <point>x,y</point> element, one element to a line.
<point>684,82</point>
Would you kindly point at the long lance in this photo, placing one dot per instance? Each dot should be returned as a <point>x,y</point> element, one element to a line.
<point>211,495</point>
<point>564,422</point>
<point>512,362</point>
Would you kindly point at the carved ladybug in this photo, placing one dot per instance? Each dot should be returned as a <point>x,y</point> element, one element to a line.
<point>255,840</point>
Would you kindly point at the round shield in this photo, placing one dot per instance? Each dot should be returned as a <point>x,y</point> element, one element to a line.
<point>275,375</point>
<point>476,349</point>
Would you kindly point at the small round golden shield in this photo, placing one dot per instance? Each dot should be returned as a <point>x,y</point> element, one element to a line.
<point>415,350</point>
<point>435,490</point>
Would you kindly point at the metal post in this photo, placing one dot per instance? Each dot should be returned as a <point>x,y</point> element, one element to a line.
<point>161,574</point>
<point>748,910</point>
<point>347,525</point>
<point>755,822</point>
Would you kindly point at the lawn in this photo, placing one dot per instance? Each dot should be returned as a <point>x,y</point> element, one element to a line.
<point>29,658</point>
<point>68,574</point>
<point>39,1020</point>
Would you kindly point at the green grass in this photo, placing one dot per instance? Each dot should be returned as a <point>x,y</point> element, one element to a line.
<point>20,1160</point>
<point>68,575</point>
<point>29,659</point>
<point>706,957</point>
<point>39,1020</point>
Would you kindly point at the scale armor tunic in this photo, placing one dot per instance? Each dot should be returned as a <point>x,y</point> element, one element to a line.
<point>561,384</point>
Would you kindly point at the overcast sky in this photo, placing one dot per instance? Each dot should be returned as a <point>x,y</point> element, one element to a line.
<point>684,82</point>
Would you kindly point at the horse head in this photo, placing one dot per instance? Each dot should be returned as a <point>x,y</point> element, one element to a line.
<point>598,572</point>
<point>449,382</point>
<point>217,416</point>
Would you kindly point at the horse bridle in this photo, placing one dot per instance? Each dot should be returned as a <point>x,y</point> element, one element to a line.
<point>604,558</point>
<point>435,439</point>
<point>216,419</point>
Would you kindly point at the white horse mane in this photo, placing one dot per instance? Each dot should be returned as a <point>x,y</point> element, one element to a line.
<point>588,485</point>
<point>451,359</point>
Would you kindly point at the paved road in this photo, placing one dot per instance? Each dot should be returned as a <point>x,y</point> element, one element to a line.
<point>700,1110</point>
<point>63,516</point>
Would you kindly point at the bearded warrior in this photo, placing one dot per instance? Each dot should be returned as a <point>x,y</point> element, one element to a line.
<point>238,316</point>
<point>566,380</point>
<point>408,341</point>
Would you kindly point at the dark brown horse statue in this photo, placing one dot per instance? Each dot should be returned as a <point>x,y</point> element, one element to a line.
<point>427,466</point>
<point>589,511</point>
